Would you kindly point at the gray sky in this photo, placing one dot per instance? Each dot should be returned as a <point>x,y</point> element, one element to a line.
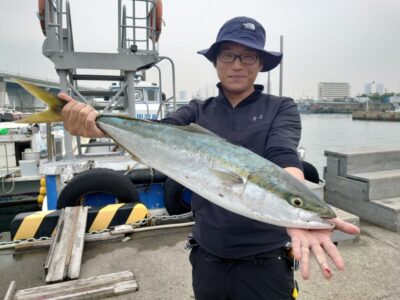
<point>353,41</point>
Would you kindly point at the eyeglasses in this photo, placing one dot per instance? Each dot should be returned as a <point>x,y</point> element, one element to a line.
<point>246,59</point>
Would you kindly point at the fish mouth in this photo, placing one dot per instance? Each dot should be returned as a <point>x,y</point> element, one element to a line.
<point>322,220</point>
<point>328,213</point>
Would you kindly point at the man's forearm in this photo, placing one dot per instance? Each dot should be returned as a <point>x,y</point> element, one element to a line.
<point>296,172</point>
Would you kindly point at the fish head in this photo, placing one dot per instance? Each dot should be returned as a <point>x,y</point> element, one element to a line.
<point>309,207</point>
<point>288,202</point>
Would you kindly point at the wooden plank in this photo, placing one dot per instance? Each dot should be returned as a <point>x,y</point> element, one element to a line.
<point>74,265</point>
<point>91,294</point>
<point>11,291</point>
<point>59,259</point>
<point>56,265</point>
<point>53,244</point>
<point>93,287</point>
<point>89,237</point>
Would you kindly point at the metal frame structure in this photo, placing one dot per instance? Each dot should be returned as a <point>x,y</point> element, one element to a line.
<point>58,46</point>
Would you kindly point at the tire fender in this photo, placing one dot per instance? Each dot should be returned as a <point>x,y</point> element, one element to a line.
<point>173,198</point>
<point>94,181</point>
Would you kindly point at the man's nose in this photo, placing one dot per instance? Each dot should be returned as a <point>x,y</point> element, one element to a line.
<point>237,63</point>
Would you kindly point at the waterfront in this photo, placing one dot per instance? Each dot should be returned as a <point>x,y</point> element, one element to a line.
<point>334,131</point>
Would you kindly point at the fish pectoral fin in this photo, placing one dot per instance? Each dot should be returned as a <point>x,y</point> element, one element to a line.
<point>228,177</point>
<point>195,128</point>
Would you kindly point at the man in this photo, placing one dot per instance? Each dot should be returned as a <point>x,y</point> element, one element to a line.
<point>234,257</point>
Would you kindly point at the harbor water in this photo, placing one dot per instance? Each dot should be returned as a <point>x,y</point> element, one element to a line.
<point>334,131</point>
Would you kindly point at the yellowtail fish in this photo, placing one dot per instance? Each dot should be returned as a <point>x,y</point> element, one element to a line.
<point>230,176</point>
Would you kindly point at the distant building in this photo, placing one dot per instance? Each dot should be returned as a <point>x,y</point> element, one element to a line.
<point>374,88</point>
<point>394,99</point>
<point>361,99</point>
<point>329,91</point>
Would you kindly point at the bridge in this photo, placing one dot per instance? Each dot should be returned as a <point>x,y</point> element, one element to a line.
<point>14,97</point>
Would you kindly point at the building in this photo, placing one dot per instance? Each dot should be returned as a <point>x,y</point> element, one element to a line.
<point>374,88</point>
<point>395,99</point>
<point>329,91</point>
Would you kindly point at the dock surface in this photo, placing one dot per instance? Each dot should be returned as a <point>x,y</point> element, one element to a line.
<point>162,269</point>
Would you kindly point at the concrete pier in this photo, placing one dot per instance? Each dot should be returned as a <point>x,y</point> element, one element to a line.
<point>161,266</point>
<point>365,183</point>
<point>376,115</point>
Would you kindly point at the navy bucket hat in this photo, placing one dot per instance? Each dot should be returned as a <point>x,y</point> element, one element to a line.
<point>247,32</point>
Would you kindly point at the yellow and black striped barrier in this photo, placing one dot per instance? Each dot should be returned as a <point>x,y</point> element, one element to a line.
<point>42,223</point>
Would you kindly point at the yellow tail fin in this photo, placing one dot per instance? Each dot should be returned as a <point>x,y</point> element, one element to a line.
<point>53,114</point>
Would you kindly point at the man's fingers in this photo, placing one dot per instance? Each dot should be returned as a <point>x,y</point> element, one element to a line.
<point>322,261</point>
<point>90,125</point>
<point>334,254</point>
<point>65,97</point>
<point>346,227</point>
<point>304,262</point>
<point>296,247</point>
<point>73,118</point>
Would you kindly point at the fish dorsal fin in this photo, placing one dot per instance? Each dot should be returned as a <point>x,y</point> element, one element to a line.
<point>195,128</point>
<point>228,177</point>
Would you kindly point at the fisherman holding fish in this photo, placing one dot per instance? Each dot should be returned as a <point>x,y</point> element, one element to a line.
<point>234,257</point>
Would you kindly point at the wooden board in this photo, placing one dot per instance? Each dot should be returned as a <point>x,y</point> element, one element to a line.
<point>65,253</point>
<point>90,288</point>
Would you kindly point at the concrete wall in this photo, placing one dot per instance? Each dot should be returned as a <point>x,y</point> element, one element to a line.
<point>376,115</point>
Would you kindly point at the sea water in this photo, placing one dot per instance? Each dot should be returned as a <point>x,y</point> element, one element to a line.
<point>323,132</point>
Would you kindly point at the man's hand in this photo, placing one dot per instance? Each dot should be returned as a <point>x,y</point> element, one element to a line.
<point>320,244</point>
<point>79,118</point>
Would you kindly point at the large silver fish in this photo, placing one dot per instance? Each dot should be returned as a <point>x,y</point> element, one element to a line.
<point>230,176</point>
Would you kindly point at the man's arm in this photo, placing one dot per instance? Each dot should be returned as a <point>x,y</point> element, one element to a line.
<point>296,172</point>
<point>80,118</point>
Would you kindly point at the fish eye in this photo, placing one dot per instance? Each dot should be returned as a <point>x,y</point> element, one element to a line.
<point>297,201</point>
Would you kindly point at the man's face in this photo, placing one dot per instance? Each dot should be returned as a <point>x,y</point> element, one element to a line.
<point>237,77</point>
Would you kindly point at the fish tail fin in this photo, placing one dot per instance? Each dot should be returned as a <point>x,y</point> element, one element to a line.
<point>53,114</point>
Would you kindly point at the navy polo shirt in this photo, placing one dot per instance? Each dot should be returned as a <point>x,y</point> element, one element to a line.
<point>267,125</point>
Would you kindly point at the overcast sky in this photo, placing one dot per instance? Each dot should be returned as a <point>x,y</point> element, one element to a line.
<point>354,41</point>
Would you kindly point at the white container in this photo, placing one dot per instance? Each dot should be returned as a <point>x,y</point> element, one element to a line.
<point>30,155</point>
<point>29,167</point>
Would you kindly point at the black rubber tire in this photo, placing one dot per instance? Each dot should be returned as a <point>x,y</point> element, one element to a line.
<point>95,181</point>
<point>173,200</point>
<point>310,172</point>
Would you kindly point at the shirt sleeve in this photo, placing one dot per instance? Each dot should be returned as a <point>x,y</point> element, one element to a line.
<point>284,136</point>
<point>184,115</point>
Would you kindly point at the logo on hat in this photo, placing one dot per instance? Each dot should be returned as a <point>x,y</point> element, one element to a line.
<point>249,26</point>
